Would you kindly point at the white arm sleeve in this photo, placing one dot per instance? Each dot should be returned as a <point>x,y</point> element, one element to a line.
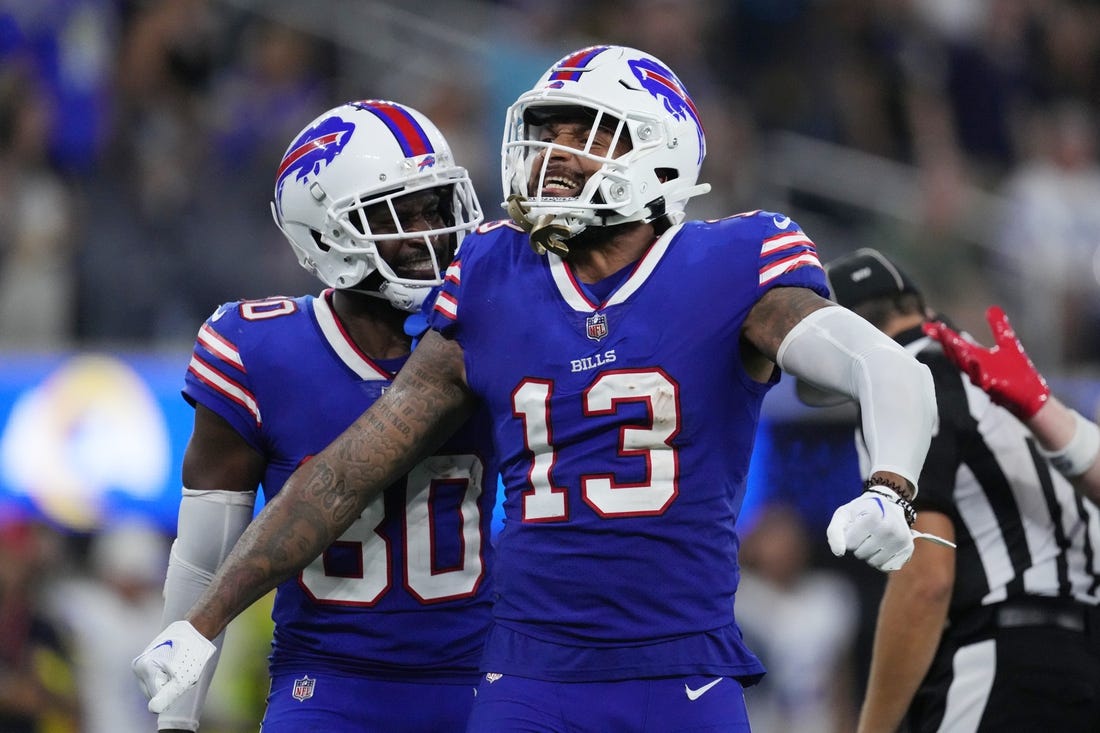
<point>210,523</point>
<point>834,349</point>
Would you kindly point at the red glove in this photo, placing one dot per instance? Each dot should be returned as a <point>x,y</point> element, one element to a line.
<point>1004,372</point>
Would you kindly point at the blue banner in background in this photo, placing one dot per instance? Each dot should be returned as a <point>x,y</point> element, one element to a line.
<point>89,438</point>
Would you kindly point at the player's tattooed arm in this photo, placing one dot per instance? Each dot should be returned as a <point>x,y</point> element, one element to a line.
<point>427,402</point>
<point>774,315</point>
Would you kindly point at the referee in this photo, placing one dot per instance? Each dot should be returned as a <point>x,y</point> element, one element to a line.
<point>1002,634</point>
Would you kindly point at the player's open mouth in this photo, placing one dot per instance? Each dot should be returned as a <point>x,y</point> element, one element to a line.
<point>560,187</point>
<point>418,269</point>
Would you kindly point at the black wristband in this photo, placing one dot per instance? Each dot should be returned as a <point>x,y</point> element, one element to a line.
<point>906,507</point>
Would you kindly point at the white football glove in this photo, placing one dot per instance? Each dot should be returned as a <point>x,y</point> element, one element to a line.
<point>874,528</point>
<point>171,664</point>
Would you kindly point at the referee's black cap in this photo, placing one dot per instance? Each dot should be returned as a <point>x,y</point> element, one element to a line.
<point>864,275</point>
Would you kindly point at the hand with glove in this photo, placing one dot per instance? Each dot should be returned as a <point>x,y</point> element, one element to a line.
<point>875,528</point>
<point>1005,372</point>
<point>171,664</point>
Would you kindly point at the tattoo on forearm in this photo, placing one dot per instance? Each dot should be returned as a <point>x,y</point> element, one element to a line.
<point>427,401</point>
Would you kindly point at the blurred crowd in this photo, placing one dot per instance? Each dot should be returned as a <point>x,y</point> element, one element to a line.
<point>138,139</point>
<point>76,608</point>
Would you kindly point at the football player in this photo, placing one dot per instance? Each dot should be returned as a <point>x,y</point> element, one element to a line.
<point>383,628</point>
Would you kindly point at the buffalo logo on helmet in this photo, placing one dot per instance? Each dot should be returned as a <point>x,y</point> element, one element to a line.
<point>663,84</point>
<point>315,148</point>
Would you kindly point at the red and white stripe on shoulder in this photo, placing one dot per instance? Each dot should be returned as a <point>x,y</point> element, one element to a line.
<point>219,346</point>
<point>446,304</point>
<point>785,252</point>
<point>454,273</point>
<point>223,385</point>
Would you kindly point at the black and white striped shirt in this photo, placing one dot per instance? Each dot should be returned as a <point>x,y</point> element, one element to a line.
<point>1021,528</point>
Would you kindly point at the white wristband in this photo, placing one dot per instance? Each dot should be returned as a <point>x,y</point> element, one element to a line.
<point>1080,452</point>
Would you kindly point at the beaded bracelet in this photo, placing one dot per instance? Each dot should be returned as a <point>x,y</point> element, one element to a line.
<point>904,493</point>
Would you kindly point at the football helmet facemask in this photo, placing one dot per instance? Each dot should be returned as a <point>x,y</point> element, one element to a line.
<point>361,158</point>
<point>634,98</point>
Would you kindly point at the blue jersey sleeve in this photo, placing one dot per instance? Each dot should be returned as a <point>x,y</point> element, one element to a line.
<point>218,378</point>
<point>787,256</point>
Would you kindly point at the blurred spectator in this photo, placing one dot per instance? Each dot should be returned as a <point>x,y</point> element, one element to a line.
<point>1068,55</point>
<point>69,45</point>
<point>37,274</point>
<point>37,688</point>
<point>1049,239</point>
<point>146,182</point>
<point>802,622</point>
<point>272,87</point>
<point>111,611</point>
<point>206,101</point>
<point>986,78</point>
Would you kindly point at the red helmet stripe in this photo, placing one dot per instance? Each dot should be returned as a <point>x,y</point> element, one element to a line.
<point>294,155</point>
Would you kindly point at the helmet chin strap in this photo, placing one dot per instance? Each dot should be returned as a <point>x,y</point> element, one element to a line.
<point>401,298</point>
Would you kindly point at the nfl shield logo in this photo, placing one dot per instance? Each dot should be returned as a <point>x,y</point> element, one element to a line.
<point>303,688</point>
<point>596,326</point>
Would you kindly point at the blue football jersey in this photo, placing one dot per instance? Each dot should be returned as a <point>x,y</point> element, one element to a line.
<point>406,589</point>
<point>624,428</point>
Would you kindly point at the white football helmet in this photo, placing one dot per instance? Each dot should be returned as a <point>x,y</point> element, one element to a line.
<point>630,93</point>
<point>359,156</point>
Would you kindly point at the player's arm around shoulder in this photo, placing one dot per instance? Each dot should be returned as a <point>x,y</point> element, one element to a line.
<point>429,398</point>
<point>426,403</point>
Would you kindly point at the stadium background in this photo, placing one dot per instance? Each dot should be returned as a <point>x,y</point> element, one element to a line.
<point>138,140</point>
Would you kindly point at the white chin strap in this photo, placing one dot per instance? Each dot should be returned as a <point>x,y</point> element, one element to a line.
<point>406,298</point>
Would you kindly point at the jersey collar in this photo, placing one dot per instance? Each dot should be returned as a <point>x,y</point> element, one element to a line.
<point>341,343</point>
<point>575,296</point>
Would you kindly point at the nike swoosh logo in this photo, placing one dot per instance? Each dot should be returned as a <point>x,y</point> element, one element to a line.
<point>781,222</point>
<point>696,694</point>
<point>163,643</point>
